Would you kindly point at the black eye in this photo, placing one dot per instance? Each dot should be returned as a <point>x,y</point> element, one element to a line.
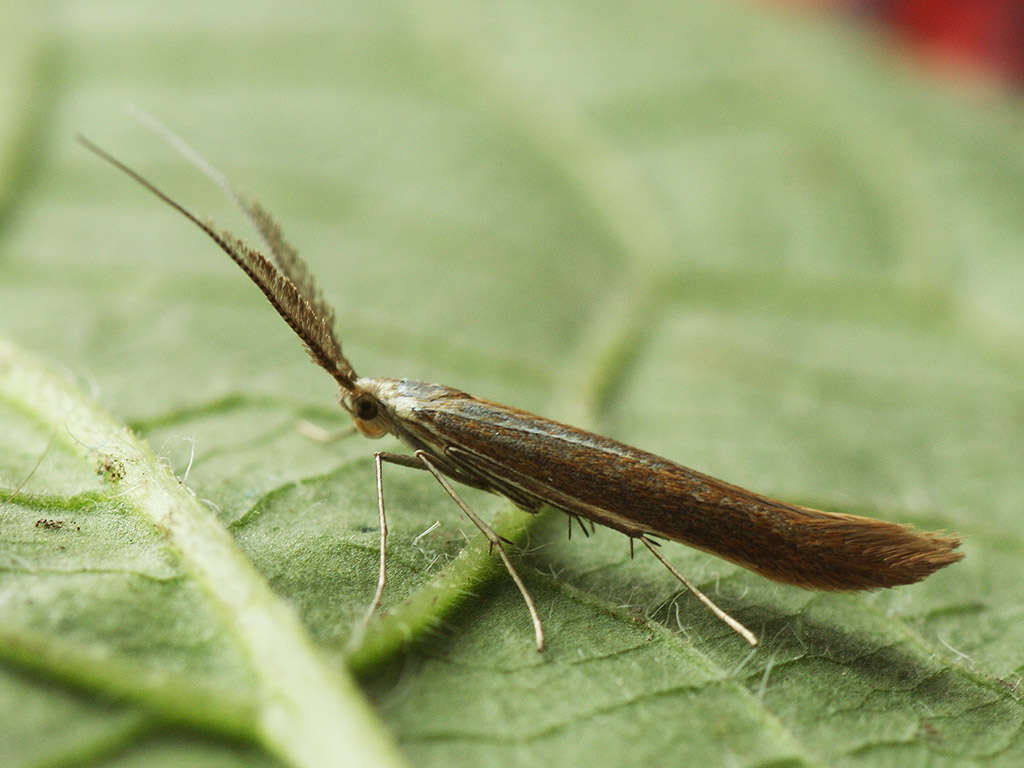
<point>366,409</point>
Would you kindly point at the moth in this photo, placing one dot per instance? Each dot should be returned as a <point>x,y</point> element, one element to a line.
<point>536,462</point>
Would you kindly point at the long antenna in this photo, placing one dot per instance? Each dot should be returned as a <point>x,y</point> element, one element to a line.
<point>285,255</point>
<point>302,313</point>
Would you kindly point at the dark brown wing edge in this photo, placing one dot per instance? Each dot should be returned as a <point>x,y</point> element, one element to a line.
<point>303,314</point>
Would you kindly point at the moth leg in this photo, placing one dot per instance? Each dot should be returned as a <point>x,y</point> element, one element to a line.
<point>580,523</point>
<point>360,630</point>
<point>494,539</point>
<point>402,460</point>
<point>738,628</point>
<point>422,461</point>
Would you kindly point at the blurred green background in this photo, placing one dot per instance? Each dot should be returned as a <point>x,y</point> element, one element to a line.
<point>750,241</point>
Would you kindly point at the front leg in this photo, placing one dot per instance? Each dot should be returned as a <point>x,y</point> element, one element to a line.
<point>423,461</point>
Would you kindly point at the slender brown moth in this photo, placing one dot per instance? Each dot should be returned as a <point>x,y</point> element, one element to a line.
<point>534,461</point>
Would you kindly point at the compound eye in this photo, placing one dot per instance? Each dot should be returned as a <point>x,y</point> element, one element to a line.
<point>369,417</point>
<point>366,409</point>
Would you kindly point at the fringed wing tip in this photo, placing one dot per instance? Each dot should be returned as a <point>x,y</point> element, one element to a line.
<point>849,553</point>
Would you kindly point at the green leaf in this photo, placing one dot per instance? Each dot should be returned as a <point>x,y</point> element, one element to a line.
<point>750,243</point>
<point>164,609</point>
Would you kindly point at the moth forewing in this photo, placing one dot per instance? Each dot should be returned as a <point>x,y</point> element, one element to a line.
<point>639,493</point>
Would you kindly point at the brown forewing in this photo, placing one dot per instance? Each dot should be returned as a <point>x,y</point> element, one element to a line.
<point>639,493</point>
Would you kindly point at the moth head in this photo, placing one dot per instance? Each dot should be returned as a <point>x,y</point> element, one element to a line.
<point>370,416</point>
